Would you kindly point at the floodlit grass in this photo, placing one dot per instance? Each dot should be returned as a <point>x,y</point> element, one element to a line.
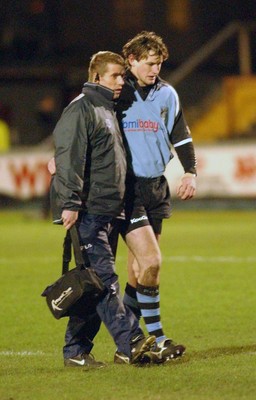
<point>208,301</point>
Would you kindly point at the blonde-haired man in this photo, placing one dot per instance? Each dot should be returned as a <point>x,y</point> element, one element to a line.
<point>88,190</point>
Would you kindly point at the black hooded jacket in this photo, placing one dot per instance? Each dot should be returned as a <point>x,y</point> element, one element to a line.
<point>89,155</point>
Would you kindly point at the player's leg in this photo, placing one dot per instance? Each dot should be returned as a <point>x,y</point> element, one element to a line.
<point>148,203</point>
<point>144,247</point>
<point>148,295</point>
<point>130,294</point>
<point>142,243</point>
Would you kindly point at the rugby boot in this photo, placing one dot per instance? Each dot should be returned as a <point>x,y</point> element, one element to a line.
<point>121,358</point>
<point>139,346</point>
<point>165,351</point>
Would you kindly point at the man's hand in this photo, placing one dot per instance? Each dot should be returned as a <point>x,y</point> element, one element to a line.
<point>186,188</point>
<point>52,166</point>
<point>69,218</point>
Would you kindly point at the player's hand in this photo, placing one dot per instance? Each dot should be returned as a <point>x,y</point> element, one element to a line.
<point>52,166</point>
<point>69,218</point>
<point>186,188</point>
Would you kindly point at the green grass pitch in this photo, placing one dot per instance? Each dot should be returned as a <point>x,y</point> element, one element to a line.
<point>208,302</point>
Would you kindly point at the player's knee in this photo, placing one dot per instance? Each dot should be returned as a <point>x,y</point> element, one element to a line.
<point>150,274</point>
<point>149,277</point>
<point>155,262</point>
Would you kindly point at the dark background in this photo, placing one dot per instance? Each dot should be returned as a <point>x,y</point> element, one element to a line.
<point>45,46</point>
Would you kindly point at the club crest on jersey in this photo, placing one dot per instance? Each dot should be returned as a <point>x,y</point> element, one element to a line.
<point>164,113</point>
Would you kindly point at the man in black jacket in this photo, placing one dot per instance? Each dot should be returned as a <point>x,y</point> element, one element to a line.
<point>89,185</point>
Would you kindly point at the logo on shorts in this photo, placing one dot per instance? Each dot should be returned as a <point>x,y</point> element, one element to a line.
<point>134,220</point>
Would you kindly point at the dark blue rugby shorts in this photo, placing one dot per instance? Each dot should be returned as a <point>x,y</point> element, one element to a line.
<point>147,202</point>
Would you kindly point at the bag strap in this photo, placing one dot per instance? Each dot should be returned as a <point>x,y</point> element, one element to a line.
<point>81,258</point>
<point>76,246</point>
<point>67,254</point>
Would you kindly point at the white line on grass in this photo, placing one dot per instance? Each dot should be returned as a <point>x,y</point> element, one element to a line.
<point>24,260</point>
<point>21,353</point>
<point>27,353</point>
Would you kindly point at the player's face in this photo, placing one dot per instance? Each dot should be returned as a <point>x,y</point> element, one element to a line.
<point>113,78</point>
<point>146,69</point>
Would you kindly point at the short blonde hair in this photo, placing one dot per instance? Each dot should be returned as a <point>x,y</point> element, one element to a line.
<point>99,62</point>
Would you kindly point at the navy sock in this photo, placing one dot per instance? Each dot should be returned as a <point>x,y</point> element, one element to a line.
<point>130,300</point>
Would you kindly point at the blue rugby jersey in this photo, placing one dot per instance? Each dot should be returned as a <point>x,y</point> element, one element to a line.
<point>151,127</point>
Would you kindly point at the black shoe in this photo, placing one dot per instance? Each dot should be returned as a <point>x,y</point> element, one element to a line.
<point>139,346</point>
<point>121,358</point>
<point>83,360</point>
<point>165,351</point>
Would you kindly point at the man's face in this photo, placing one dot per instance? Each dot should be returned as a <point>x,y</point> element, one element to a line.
<point>147,69</point>
<point>113,78</point>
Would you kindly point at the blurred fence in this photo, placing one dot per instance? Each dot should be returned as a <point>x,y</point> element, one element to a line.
<point>224,171</point>
<point>24,174</point>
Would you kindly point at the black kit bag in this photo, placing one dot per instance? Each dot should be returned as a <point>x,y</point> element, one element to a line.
<point>77,291</point>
